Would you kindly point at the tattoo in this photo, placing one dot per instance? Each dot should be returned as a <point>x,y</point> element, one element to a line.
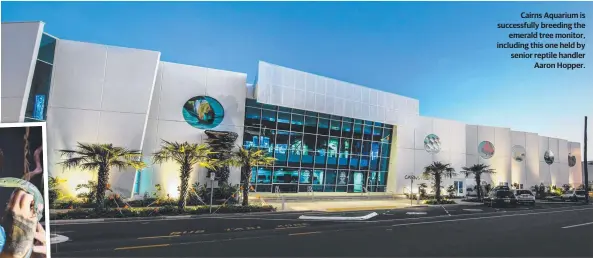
<point>20,234</point>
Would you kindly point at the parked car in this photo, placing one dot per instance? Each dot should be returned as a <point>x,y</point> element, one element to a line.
<point>574,195</point>
<point>501,198</point>
<point>524,197</point>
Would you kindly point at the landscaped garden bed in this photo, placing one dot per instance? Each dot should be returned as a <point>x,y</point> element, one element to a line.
<point>169,210</point>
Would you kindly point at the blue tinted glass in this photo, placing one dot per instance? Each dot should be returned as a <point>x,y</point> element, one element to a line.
<point>347,129</point>
<point>307,159</point>
<point>252,116</point>
<point>374,163</point>
<point>252,103</point>
<point>286,176</point>
<point>297,122</point>
<point>323,128</point>
<point>357,131</point>
<point>253,175</point>
<point>306,176</point>
<point>281,148</point>
<point>382,178</point>
<point>267,140</point>
<point>264,175</point>
<point>357,147</point>
<point>368,132</point>
<point>310,125</point>
<point>384,166</point>
<point>354,160</point>
<point>318,177</point>
<point>36,109</point>
<point>47,49</point>
<point>268,119</point>
<point>283,121</point>
<point>364,162</point>
<point>385,149</point>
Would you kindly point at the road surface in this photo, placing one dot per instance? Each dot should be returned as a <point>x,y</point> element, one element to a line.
<point>541,231</point>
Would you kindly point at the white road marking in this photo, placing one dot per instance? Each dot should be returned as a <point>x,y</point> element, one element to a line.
<point>578,225</point>
<point>446,210</point>
<point>489,217</point>
<point>56,239</point>
<point>365,217</point>
<point>415,213</point>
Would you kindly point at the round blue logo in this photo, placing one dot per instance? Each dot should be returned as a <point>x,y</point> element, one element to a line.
<point>203,112</point>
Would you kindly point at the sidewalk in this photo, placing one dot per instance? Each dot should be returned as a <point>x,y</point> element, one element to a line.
<point>356,205</point>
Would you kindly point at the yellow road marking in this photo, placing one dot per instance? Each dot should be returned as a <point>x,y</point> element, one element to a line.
<point>158,237</point>
<point>304,233</point>
<point>140,246</point>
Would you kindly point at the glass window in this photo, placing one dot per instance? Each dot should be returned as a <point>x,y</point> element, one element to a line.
<point>357,147</point>
<point>296,125</point>
<point>384,165</point>
<point>366,148</point>
<point>36,109</point>
<point>252,116</point>
<point>364,162</point>
<point>295,149</point>
<point>318,177</point>
<point>283,121</point>
<point>286,176</point>
<point>251,137</point>
<point>377,134</point>
<point>374,150</point>
<point>368,132</point>
<point>337,118</point>
<point>307,159</point>
<point>322,115</point>
<point>336,128</point>
<point>373,178</point>
<point>311,113</point>
<point>374,163</point>
<point>331,177</point>
<point>323,128</point>
<point>385,149</point>
<point>253,175</point>
<point>252,103</point>
<point>306,177</point>
<point>269,107</point>
<point>357,131</point>
<point>264,175</point>
<point>281,148</point>
<point>386,135</point>
<point>347,129</point>
<point>310,125</point>
<point>354,161</point>
<point>321,145</point>
<point>381,178</point>
<point>298,111</point>
<point>268,119</point>
<point>284,109</point>
<point>267,140</point>
<point>47,48</point>
<point>263,188</point>
<point>378,124</point>
<point>345,147</point>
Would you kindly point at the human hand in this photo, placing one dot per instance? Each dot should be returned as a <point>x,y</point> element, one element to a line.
<point>19,222</point>
<point>40,248</point>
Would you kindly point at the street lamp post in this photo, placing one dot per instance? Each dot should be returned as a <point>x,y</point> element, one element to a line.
<point>586,169</point>
<point>212,176</point>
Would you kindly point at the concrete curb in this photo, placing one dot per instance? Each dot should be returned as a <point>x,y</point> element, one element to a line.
<point>176,217</point>
<point>332,218</point>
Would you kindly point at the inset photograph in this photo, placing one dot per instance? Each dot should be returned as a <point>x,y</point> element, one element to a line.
<point>23,187</point>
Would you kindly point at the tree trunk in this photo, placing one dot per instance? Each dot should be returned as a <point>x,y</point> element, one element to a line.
<point>437,185</point>
<point>479,187</point>
<point>102,181</point>
<point>247,177</point>
<point>183,187</point>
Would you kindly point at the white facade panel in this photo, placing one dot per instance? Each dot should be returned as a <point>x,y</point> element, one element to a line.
<point>471,143</point>
<point>177,84</point>
<point>576,176</point>
<point>20,46</point>
<point>518,163</point>
<point>532,163</point>
<point>563,173</point>
<point>273,80</point>
<point>100,94</point>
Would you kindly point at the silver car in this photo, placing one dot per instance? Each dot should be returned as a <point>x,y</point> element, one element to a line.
<point>524,197</point>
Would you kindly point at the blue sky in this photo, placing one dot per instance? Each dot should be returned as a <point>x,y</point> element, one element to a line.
<point>441,53</point>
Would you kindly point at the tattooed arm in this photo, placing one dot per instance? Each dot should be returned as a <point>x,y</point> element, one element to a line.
<point>20,224</point>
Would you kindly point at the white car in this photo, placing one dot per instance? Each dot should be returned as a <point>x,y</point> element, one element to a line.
<point>524,197</point>
<point>574,195</point>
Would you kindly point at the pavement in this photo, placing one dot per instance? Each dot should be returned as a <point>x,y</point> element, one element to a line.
<point>545,230</point>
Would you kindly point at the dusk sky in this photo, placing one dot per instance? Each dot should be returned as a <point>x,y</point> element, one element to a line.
<point>443,54</point>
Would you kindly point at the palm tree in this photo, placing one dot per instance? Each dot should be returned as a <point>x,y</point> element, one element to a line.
<point>246,159</point>
<point>186,155</point>
<point>477,170</point>
<point>437,171</point>
<point>101,157</point>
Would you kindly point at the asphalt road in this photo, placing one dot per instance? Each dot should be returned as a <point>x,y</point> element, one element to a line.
<point>541,231</point>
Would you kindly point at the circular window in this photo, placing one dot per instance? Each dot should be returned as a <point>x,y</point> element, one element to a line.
<point>203,112</point>
<point>572,160</point>
<point>549,157</point>
<point>432,143</point>
<point>486,149</point>
<point>518,153</point>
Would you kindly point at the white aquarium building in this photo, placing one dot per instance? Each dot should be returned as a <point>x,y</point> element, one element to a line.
<point>328,135</point>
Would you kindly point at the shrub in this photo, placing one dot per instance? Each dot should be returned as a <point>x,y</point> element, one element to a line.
<point>158,211</point>
<point>434,201</point>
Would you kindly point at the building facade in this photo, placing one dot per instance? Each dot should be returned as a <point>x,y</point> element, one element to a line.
<point>327,135</point>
